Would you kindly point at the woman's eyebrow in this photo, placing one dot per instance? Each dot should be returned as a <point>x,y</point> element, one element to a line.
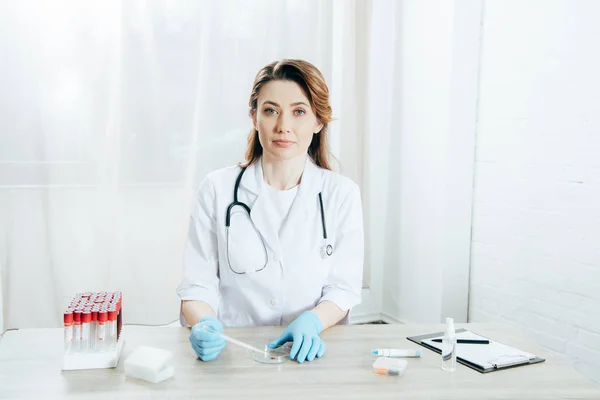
<point>272,103</point>
<point>293,104</point>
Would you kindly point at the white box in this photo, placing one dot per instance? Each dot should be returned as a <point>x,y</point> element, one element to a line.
<point>150,364</point>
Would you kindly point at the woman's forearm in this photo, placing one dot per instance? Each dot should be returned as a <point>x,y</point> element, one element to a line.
<point>329,313</point>
<point>195,310</point>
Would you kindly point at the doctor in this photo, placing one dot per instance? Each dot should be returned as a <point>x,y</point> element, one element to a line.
<point>279,239</point>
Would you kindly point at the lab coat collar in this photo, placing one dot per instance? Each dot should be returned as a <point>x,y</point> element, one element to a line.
<point>310,184</point>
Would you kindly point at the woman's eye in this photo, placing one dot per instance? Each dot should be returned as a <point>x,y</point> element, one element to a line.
<point>270,111</point>
<point>300,112</point>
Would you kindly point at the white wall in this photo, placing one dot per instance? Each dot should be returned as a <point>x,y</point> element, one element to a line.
<point>536,223</point>
<point>429,187</point>
<point>1,302</point>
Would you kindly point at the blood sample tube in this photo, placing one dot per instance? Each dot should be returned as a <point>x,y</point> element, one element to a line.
<point>68,322</point>
<point>93,330</point>
<point>101,330</point>
<point>112,327</point>
<point>86,319</point>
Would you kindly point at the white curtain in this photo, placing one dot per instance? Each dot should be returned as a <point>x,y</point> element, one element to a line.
<point>111,112</point>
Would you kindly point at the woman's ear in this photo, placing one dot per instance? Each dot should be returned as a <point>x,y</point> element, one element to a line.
<point>253,115</point>
<point>318,128</point>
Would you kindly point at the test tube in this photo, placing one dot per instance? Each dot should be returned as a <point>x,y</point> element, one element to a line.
<point>93,328</point>
<point>101,330</point>
<point>112,327</point>
<point>68,322</point>
<point>77,330</point>
<point>86,319</point>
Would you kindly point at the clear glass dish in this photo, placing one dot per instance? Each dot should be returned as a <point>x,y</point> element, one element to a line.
<point>273,356</point>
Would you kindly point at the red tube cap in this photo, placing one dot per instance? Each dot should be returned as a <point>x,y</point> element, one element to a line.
<point>68,317</point>
<point>86,316</point>
<point>102,316</point>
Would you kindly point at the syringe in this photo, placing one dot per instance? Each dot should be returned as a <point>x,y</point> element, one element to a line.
<point>235,341</point>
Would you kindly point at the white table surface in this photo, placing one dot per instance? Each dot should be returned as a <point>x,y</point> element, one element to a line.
<point>30,367</point>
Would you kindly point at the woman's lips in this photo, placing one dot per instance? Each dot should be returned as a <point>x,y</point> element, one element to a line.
<point>283,143</point>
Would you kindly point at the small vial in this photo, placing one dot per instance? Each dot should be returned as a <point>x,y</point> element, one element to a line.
<point>112,327</point>
<point>86,319</point>
<point>93,330</point>
<point>68,322</point>
<point>76,330</point>
<point>449,347</point>
<point>101,330</point>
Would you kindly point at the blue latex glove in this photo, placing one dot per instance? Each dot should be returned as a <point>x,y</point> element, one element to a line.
<point>207,345</point>
<point>304,331</point>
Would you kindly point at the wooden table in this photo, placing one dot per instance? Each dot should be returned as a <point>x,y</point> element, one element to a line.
<point>30,367</point>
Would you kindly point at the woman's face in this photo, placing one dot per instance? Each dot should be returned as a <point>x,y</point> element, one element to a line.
<point>284,120</point>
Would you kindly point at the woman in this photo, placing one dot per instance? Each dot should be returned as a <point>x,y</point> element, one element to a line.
<point>278,240</point>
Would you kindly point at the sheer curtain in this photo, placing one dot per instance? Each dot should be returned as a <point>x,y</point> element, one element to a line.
<point>112,112</point>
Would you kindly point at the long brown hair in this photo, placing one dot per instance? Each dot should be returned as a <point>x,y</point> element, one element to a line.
<point>312,83</point>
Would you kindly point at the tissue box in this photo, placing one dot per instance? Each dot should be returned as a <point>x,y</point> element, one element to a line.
<point>150,364</point>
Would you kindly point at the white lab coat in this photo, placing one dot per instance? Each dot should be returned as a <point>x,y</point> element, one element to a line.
<point>296,277</point>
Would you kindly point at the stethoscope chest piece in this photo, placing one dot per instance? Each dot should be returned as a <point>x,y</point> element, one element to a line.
<point>326,250</point>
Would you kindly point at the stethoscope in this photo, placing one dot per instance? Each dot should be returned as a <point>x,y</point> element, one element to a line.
<point>326,249</point>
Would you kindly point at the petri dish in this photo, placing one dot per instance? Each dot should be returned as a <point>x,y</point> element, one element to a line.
<point>273,356</point>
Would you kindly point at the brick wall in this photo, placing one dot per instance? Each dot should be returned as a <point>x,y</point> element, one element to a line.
<point>535,259</point>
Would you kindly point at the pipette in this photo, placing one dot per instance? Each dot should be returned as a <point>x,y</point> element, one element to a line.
<point>235,341</point>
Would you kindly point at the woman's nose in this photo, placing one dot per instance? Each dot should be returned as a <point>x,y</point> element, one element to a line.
<point>283,124</point>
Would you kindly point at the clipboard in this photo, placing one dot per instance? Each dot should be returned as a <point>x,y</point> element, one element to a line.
<point>495,362</point>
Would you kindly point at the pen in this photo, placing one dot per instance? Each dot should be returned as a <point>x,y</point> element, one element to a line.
<point>466,341</point>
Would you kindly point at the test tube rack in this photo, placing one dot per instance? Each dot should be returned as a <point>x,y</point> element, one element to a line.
<point>92,331</point>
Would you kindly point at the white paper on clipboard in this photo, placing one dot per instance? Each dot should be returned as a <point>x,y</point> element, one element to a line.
<point>487,356</point>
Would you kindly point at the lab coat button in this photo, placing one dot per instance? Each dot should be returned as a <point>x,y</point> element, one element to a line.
<point>274,302</point>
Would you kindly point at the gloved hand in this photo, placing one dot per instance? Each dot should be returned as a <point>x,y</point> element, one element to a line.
<point>304,331</point>
<point>206,344</point>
